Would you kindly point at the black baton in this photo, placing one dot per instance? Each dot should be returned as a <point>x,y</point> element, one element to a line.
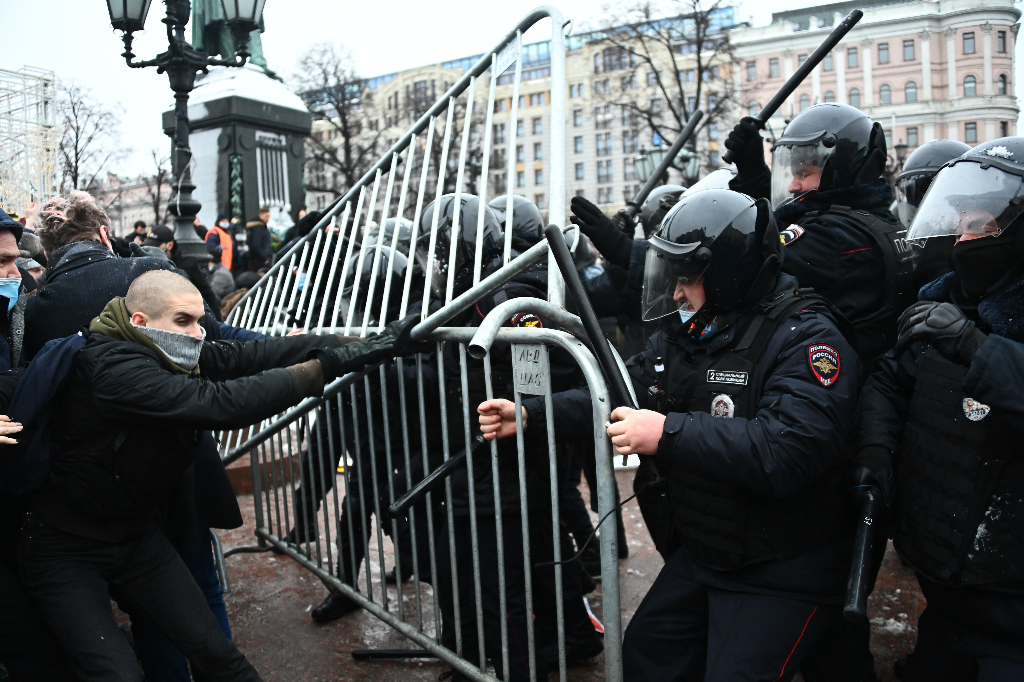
<point>431,482</point>
<point>633,206</point>
<point>805,69</point>
<point>858,586</point>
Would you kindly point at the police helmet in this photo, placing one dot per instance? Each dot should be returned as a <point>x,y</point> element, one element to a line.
<point>656,205</point>
<point>918,172</point>
<point>527,222</point>
<point>404,234</point>
<point>727,238</point>
<point>443,263</point>
<point>827,146</point>
<point>364,282</point>
<point>717,179</point>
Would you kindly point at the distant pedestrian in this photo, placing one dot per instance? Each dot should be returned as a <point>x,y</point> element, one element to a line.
<point>260,251</point>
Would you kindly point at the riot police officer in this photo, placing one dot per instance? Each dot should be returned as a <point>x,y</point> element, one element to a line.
<point>527,223</point>
<point>947,404</point>
<point>914,180</point>
<point>748,388</point>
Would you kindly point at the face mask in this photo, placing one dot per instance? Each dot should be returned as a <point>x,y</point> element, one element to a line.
<point>685,315</point>
<point>181,349</point>
<point>9,287</point>
<point>982,263</point>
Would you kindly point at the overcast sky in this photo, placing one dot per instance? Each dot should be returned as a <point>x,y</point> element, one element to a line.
<point>73,38</point>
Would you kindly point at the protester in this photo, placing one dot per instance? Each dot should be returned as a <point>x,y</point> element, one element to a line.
<point>219,242</point>
<point>258,240</point>
<point>221,280</point>
<point>139,232</point>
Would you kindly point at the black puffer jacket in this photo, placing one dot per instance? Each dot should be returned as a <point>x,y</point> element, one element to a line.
<point>130,428</point>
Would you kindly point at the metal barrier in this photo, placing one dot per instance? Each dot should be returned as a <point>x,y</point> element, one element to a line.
<point>493,533</point>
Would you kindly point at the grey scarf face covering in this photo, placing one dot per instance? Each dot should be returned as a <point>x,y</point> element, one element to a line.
<point>181,349</point>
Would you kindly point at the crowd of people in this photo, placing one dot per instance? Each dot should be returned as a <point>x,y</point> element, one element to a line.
<point>800,338</point>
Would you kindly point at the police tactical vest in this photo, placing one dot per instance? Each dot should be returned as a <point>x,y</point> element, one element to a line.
<point>960,478</point>
<point>876,333</point>
<point>723,526</point>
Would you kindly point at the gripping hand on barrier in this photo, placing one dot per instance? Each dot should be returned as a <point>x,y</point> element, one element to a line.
<point>393,341</point>
<point>635,432</point>
<point>498,418</point>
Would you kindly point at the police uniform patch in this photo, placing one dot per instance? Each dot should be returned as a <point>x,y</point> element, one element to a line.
<point>722,406</point>
<point>974,410</point>
<point>526,320</point>
<point>824,361</point>
<point>791,234</point>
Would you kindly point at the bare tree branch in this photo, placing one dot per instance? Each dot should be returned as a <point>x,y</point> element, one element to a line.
<point>155,186</point>
<point>88,145</point>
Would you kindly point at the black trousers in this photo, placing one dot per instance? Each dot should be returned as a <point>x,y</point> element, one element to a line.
<point>28,649</point>
<point>72,578</point>
<point>690,632</point>
<point>968,634</point>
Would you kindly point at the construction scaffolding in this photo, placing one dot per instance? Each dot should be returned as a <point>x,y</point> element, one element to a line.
<point>28,137</point>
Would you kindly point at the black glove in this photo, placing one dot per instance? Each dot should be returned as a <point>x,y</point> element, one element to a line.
<point>625,221</point>
<point>872,467</point>
<point>747,147</point>
<point>944,326</point>
<point>606,236</point>
<point>392,342</point>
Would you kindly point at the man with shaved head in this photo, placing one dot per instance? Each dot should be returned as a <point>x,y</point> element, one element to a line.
<point>143,389</point>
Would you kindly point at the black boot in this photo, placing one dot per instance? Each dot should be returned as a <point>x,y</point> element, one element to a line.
<point>391,579</point>
<point>334,607</point>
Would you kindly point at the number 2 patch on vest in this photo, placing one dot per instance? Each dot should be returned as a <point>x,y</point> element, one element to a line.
<point>824,361</point>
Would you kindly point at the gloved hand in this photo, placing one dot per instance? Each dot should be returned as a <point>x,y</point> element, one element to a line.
<point>606,236</point>
<point>872,467</point>
<point>747,147</point>
<point>392,342</point>
<point>625,222</point>
<point>944,326</point>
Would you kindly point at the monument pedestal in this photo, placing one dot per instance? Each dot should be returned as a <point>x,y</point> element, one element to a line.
<point>247,137</point>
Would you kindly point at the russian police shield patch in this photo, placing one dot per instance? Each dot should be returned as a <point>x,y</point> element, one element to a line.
<point>824,361</point>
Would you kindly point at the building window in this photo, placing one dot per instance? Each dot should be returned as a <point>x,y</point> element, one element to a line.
<point>537,99</point>
<point>712,102</point>
<point>805,101</point>
<point>604,171</point>
<point>604,195</point>
<point>830,96</point>
<point>629,82</point>
<point>888,139</point>
<point>1001,43</point>
<point>773,67</point>
<point>520,178</point>
<point>581,193</point>
<point>712,131</point>
<point>539,200</point>
<point>883,53</point>
<point>751,71</point>
<point>1001,84</point>
<point>576,90</point>
<point>538,176</point>
<point>577,117</point>
<point>852,60</point>
<point>969,43</point>
<point>629,116</point>
<point>971,132</point>
<point>579,171</point>
<point>522,101</point>
<point>855,98</point>
<point>753,108</point>
<point>1004,129</point>
<point>538,151</point>
<point>598,88</point>
<point>800,59</point>
<point>910,91</point>
<point>970,86</point>
<point>520,128</point>
<point>577,144</point>
<point>652,78</point>
<point>538,126</point>
<point>826,63</point>
<point>597,62</point>
<point>499,133</point>
<point>628,172</point>
<point>713,157</point>
<point>908,50</point>
<point>520,154</point>
<point>691,103</point>
<point>604,144</point>
<point>630,141</point>
<point>885,95</point>
<point>912,137</point>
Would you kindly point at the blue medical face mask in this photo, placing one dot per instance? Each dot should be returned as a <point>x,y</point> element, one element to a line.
<point>302,281</point>
<point>685,315</point>
<point>9,287</point>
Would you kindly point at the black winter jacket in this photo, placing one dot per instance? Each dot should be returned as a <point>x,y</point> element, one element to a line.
<point>129,428</point>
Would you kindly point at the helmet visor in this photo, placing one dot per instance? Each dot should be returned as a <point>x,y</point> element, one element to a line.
<point>662,275</point>
<point>910,191</point>
<point>967,198</point>
<point>796,170</point>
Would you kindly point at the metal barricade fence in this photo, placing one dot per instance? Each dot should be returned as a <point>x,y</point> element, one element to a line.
<point>377,433</point>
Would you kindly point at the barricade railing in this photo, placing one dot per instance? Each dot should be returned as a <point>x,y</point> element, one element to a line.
<point>486,547</point>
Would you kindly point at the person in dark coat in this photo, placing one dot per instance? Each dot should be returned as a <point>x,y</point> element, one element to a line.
<point>92,527</point>
<point>944,410</point>
<point>747,389</point>
<point>261,253</point>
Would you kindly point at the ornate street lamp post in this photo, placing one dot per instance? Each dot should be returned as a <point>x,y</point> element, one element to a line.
<point>181,63</point>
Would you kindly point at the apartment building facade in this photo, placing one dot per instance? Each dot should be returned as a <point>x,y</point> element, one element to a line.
<point>938,69</point>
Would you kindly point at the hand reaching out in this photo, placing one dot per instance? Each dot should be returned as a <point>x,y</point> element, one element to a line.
<point>498,418</point>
